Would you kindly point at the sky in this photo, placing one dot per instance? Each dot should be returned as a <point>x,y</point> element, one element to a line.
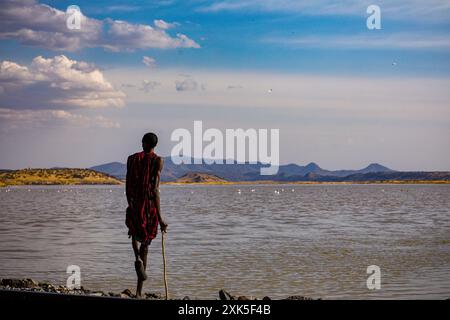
<point>341,95</point>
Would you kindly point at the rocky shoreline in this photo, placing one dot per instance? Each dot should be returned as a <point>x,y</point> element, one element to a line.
<point>30,285</point>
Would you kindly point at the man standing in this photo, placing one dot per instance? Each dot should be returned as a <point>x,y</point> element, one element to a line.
<point>143,213</point>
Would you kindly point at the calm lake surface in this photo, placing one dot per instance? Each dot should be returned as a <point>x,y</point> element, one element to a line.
<point>312,240</point>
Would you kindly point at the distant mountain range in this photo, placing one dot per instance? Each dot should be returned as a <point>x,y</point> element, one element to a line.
<point>290,172</point>
<point>190,173</point>
<point>111,173</point>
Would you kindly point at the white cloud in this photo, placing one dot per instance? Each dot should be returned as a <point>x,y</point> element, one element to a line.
<point>127,36</point>
<point>161,24</point>
<point>35,24</point>
<point>11,119</point>
<point>56,83</point>
<point>40,25</point>
<point>149,61</point>
<point>398,9</point>
<point>148,85</point>
<point>127,85</point>
<point>188,84</point>
<point>367,41</point>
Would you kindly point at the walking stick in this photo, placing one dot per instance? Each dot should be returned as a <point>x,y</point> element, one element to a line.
<point>165,267</point>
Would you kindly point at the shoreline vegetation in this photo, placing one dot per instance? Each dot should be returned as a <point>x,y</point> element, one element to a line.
<point>57,176</point>
<point>28,285</point>
<point>78,176</point>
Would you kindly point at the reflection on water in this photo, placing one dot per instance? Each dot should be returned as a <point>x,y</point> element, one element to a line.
<point>312,240</point>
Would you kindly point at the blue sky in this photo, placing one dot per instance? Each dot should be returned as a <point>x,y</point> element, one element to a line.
<point>343,96</point>
<point>241,38</point>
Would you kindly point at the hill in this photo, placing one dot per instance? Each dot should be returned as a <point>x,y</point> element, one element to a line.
<point>115,169</point>
<point>400,176</point>
<point>197,177</point>
<point>64,176</point>
<point>378,177</point>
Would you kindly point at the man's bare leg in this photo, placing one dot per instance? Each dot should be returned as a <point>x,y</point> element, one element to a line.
<point>135,245</point>
<point>141,254</point>
<point>136,251</point>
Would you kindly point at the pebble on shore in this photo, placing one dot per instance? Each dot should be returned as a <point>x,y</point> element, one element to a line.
<point>224,295</point>
<point>35,286</point>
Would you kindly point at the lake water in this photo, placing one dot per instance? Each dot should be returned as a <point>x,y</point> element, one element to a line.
<point>311,240</point>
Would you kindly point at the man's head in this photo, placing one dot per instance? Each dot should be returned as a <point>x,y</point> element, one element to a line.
<point>149,141</point>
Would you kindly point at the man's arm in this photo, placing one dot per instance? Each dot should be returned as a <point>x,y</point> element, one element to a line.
<point>162,222</point>
<point>129,183</point>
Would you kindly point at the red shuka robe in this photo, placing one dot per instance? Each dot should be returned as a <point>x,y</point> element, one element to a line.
<point>141,216</point>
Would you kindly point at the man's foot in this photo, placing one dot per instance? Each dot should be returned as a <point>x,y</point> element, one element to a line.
<point>140,270</point>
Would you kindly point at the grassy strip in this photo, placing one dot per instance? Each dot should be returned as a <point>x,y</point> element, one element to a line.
<point>55,177</point>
